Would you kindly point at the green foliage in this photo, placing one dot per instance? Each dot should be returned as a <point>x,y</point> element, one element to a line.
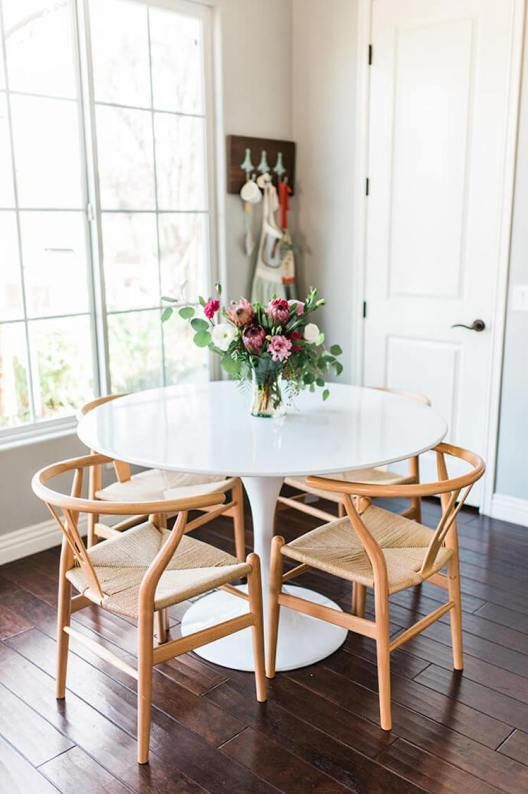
<point>166,314</point>
<point>202,338</point>
<point>199,325</point>
<point>187,312</point>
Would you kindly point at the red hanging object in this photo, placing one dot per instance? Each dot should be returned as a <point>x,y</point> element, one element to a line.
<point>284,199</point>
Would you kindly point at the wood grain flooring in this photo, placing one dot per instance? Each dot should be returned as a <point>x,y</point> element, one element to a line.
<point>319,730</point>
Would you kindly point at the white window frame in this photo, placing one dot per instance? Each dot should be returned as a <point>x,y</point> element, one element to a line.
<point>45,429</point>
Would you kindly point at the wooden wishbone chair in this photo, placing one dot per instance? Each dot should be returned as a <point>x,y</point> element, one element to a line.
<point>383,550</point>
<point>139,573</point>
<point>374,476</point>
<point>154,484</point>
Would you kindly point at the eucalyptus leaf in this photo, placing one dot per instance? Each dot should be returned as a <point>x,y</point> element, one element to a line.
<point>326,394</point>
<point>320,382</point>
<point>231,366</point>
<point>201,300</point>
<point>202,338</point>
<point>187,312</point>
<point>199,325</point>
<point>166,314</point>
<point>168,299</point>
<point>336,350</point>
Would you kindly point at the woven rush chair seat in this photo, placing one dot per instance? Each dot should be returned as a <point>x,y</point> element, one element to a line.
<point>120,565</point>
<point>154,484</point>
<point>336,549</point>
<point>366,476</point>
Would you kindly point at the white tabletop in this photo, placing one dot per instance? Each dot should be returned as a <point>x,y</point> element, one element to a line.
<point>208,429</point>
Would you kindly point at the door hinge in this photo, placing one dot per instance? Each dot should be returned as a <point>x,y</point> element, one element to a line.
<point>367,186</point>
<point>364,309</point>
<point>370,54</point>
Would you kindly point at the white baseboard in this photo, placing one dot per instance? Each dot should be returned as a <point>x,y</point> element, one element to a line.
<point>508,508</point>
<point>30,540</point>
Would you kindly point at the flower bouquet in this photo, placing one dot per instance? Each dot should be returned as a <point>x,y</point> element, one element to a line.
<point>277,347</point>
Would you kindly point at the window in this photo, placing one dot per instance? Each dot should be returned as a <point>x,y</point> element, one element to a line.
<point>103,200</point>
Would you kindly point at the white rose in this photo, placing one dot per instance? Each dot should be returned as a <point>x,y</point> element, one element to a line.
<point>223,334</point>
<point>311,333</point>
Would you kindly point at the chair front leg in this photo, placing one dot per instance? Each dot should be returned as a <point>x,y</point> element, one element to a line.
<point>274,606</point>
<point>144,690</point>
<point>359,592</point>
<point>239,523</point>
<point>455,615</point>
<point>257,630</point>
<point>63,620</point>
<point>383,657</point>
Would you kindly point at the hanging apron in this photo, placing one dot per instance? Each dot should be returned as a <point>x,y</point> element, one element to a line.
<point>267,282</point>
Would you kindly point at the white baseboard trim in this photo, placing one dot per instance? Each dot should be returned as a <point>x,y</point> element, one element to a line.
<point>508,508</point>
<point>30,540</point>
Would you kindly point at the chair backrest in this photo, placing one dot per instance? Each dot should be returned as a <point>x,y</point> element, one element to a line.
<point>73,504</point>
<point>411,395</point>
<point>122,470</point>
<point>453,493</point>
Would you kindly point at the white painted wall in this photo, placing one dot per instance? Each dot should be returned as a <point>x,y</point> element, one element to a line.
<point>324,80</point>
<point>254,46</point>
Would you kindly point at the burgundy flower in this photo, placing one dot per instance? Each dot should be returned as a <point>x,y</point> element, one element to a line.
<point>280,348</point>
<point>278,310</point>
<point>253,338</point>
<point>240,313</point>
<point>294,336</point>
<point>211,307</point>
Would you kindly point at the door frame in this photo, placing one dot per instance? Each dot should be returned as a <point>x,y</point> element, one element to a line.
<point>360,217</point>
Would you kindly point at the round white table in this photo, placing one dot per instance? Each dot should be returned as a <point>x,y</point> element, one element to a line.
<point>207,429</point>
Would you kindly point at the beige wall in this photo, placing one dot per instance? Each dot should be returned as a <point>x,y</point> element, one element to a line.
<point>324,80</point>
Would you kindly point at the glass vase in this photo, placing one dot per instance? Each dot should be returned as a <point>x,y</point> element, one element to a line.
<point>266,396</point>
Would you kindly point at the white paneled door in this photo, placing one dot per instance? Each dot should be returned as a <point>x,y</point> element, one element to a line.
<point>439,111</point>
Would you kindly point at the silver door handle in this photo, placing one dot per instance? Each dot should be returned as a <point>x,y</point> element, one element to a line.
<point>476,325</point>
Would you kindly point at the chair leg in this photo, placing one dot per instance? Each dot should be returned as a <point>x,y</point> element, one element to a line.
<point>162,625</point>
<point>239,521</point>
<point>455,615</point>
<point>416,509</point>
<point>257,630</point>
<point>359,593</point>
<point>383,658</point>
<point>63,620</point>
<point>144,690</point>
<point>274,606</point>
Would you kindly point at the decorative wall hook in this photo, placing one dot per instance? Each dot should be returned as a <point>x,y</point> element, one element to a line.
<point>242,152</point>
<point>247,164</point>
<point>263,166</point>
<point>279,166</point>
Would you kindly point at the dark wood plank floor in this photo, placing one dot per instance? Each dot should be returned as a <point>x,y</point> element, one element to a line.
<point>319,730</point>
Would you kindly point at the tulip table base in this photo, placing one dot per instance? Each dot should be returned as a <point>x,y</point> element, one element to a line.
<point>302,640</point>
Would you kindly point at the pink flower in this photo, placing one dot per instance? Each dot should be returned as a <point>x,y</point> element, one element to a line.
<point>211,307</point>
<point>298,306</point>
<point>253,338</point>
<point>280,348</point>
<point>278,310</point>
<point>240,313</point>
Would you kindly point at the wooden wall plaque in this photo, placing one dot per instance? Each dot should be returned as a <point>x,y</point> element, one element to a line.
<point>236,146</point>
